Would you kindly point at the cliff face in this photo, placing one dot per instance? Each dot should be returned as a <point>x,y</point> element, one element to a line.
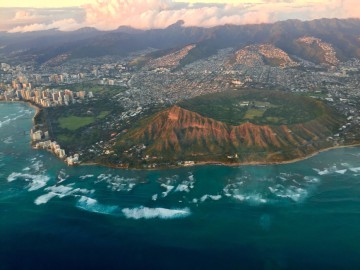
<point>179,134</point>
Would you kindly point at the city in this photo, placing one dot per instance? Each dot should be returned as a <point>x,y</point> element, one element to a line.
<point>179,134</point>
<point>162,82</point>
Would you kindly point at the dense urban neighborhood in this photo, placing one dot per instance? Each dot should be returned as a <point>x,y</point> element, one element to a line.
<point>150,80</point>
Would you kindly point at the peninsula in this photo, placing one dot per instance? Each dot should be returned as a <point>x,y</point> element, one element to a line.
<point>254,94</point>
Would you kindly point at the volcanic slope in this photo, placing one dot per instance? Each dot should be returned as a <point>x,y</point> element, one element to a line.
<point>253,131</point>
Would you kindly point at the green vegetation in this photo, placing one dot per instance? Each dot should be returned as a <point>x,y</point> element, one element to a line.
<point>64,138</point>
<point>103,114</point>
<point>176,134</point>
<point>75,122</point>
<point>202,50</point>
<point>81,125</point>
<point>254,113</point>
<point>261,107</point>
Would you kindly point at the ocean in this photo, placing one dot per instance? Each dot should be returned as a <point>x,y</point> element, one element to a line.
<point>303,215</point>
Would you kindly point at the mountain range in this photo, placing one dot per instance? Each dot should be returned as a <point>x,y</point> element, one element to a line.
<point>42,46</point>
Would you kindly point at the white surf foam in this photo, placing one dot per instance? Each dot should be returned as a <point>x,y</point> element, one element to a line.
<point>211,197</point>
<point>311,179</point>
<point>150,213</point>
<point>252,199</point>
<point>36,165</point>
<point>322,172</point>
<point>331,170</point>
<point>117,183</point>
<point>8,140</point>
<point>239,197</point>
<point>186,185</point>
<point>36,181</point>
<point>296,194</point>
<point>62,176</point>
<point>182,188</point>
<point>92,205</point>
<point>60,192</point>
<point>341,171</point>
<point>168,188</point>
<point>355,170</point>
<point>86,176</point>
<point>44,198</point>
<point>9,120</point>
<point>104,176</point>
<point>256,199</point>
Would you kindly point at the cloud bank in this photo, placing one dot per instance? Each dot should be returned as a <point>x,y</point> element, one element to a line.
<point>147,14</point>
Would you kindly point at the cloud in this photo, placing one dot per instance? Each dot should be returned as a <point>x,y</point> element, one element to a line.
<point>32,19</point>
<point>144,14</point>
<point>24,15</point>
<point>147,14</point>
<point>62,25</point>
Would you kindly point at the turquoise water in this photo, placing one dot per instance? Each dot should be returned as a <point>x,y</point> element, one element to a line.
<point>304,215</point>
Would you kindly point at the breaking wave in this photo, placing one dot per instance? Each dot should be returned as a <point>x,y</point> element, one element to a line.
<point>60,192</point>
<point>211,197</point>
<point>150,213</point>
<point>253,199</point>
<point>9,120</point>
<point>294,193</point>
<point>92,205</point>
<point>36,181</point>
<point>117,183</point>
<point>291,187</point>
<point>86,176</point>
<point>355,170</point>
<point>8,140</point>
<point>176,184</point>
<point>168,188</point>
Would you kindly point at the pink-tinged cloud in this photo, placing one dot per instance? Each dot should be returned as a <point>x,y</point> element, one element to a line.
<point>63,25</point>
<point>144,14</point>
<point>24,15</point>
<point>147,14</point>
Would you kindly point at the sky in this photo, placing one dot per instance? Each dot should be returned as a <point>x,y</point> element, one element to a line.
<point>67,15</point>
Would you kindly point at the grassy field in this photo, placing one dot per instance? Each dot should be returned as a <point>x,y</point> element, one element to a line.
<point>252,114</point>
<point>265,107</point>
<point>75,122</point>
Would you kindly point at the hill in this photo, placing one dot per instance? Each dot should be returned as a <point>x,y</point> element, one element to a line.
<point>178,134</point>
<point>314,49</point>
<point>258,55</point>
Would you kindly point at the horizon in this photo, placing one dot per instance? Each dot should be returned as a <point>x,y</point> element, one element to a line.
<point>139,29</point>
<point>158,14</point>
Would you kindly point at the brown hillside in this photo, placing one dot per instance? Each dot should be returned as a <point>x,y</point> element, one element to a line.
<point>178,134</point>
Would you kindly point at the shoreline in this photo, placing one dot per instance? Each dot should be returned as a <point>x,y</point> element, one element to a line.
<point>202,163</point>
<point>37,108</point>
<point>234,164</point>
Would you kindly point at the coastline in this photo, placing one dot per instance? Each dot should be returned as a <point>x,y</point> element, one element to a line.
<point>37,108</point>
<point>227,164</point>
<point>202,163</point>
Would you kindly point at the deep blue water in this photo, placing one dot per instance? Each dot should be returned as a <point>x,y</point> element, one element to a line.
<point>304,215</point>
